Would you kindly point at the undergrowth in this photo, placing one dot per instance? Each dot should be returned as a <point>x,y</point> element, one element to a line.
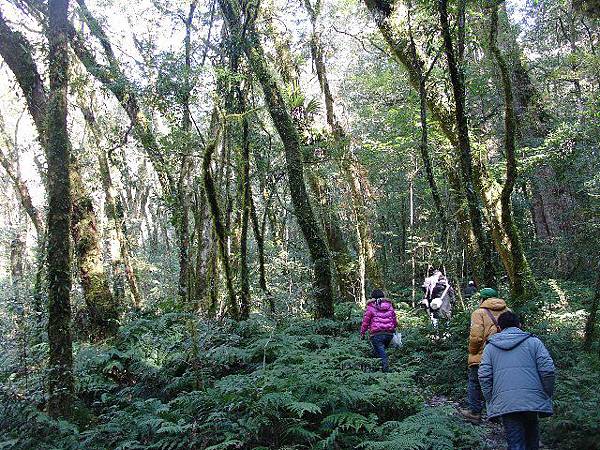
<point>169,380</point>
<point>173,382</point>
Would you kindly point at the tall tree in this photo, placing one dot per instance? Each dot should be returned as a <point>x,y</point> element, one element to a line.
<point>114,210</point>
<point>400,46</point>
<point>60,377</point>
<point>245,34</point>
<point>521,278</point>
<point>464,143</point>
<point>18,54</point>
<point>353,171</point>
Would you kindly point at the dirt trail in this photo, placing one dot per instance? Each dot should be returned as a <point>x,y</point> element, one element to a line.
<point>494,433</point>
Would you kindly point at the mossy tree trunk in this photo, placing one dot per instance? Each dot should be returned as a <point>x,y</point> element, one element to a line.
<point>282,120</point>
<point>400,46</point>
<point>521,278</point>
<point>60,376</point>
<point>351,168</point>
<point>102,308</point>
<point>245,194</point>
<point>464,146</point>
<point>17,52</point>
<point>219,228</point>
<point>347,278</point>
<point>182,208</point>
<point>114,209</point>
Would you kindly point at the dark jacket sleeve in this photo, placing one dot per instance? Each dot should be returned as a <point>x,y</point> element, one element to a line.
<point>486,374</point>
<point>545,367</point>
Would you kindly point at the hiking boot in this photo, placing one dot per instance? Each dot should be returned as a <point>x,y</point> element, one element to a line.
<point>470,415</point>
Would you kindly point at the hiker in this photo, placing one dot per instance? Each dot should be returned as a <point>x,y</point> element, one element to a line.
<point>380,320</point>
<point>484,323</point>
<point>439,297</point>
<point>470,290</point>
<point>517,379</point>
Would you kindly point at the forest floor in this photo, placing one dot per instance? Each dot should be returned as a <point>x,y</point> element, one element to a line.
<point>494,432</point>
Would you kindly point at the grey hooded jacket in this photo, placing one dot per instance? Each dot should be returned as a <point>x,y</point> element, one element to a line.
<point>516,374</point>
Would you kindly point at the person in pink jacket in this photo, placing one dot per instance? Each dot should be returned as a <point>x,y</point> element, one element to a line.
<point>380,321</point>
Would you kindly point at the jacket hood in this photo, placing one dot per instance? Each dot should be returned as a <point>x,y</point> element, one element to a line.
<point>493,303</point>
<point>384,304</point>
<point>508,339</point>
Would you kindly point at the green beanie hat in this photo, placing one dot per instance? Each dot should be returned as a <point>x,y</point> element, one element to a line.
<point>488,293</point>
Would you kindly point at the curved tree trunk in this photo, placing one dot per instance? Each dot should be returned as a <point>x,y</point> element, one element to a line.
<point>521,279</point>
<point>220,232</point>
<point>291,141</point>
<point>464,146</point>
<point>17,52</point>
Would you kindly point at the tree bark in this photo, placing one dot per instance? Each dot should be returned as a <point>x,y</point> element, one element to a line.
<point>464,146</point>
<point>259,236</point>
<point>520,276</point>
<point>102,308</point>
<point>353,171</point>
<point>183,200</point>
<point>282,120</point>
<point>115,212</point>
<point>17,53</point>
<point>220,231</point>
<point>342,260</point>
<point>203,249</point>
<point>246,205</point>
<point>60,377</point>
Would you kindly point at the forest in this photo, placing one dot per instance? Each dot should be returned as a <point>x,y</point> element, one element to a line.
<point>199,197</point>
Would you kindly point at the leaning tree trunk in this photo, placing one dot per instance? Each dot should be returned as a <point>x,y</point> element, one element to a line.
<point>60,376</point>
<point>519,273</point>
<point>17,53</point>
<point>400,47</point>
<point>219,228</point>
<point>291,141</point>
<point>464,147</point>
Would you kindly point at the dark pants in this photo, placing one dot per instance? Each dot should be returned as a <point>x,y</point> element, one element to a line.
<point>522,431</point>
<point>380,342</point>
<point>474,395</point>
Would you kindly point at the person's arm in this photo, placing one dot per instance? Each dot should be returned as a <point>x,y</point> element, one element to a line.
<point>366,321</point>
<point>476,333</point>
<point>486,375</point>
<point>545,367</point>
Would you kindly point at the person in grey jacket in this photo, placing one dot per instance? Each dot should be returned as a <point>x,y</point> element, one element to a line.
<point>517,378</point>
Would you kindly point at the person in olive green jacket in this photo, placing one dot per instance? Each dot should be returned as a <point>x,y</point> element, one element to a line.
<point>484,324</point>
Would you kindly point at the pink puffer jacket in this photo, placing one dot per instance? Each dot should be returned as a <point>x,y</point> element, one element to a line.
<point>379,317</point>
